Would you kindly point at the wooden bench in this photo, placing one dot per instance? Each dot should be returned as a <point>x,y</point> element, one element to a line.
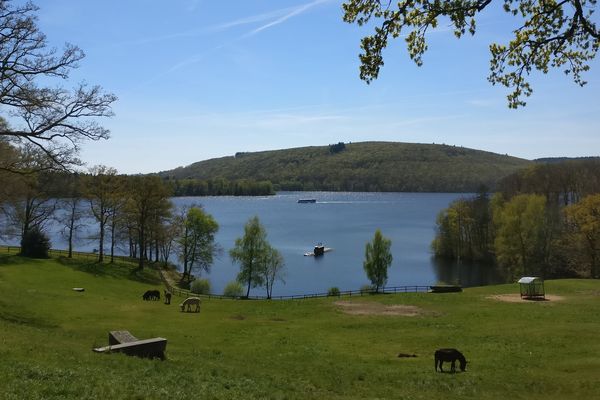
<point>124,342</point>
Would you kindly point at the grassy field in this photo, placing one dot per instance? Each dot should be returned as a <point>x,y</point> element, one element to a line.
<point>288,349</point>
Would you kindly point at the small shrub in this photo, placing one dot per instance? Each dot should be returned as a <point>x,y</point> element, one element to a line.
<point>35,244</point>
<point>233,289</point>
<point>200,286</point>
<point>366,289</point>
<point>333,291</point>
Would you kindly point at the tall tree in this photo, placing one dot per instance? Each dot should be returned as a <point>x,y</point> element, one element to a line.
<point>551,34</point>
<point>464,230</point>
<point>250,252</point>
<point>272,269</point>
<point>584,218</point>
<point>53,119</point>
<point>168,238</point>
<point>524,234</point>
<point>197,247</point>
<point>101,187</point>
<point>148,205</point>
<point>32,199</point>
<point>378,259</point>
<point>71,210</point>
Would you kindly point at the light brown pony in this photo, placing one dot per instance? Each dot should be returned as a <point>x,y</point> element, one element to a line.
<point>189,302</point>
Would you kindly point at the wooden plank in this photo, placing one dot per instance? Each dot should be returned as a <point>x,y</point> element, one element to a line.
<point>118,337</point>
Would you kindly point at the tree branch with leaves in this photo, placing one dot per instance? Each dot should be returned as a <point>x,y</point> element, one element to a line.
<point>552,34</point>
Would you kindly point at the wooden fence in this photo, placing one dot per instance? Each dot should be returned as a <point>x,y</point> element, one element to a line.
<point>391,289</point>
<point>64,253</point>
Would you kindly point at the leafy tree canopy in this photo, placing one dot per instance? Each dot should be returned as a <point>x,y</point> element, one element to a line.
<point>552,34</point>
<point>378,259</point>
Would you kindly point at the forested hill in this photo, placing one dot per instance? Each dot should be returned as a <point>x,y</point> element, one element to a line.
<point>367,166</point>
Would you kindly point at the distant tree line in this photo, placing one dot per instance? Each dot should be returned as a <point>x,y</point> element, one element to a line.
<point>219,187</point>
<point>544,220</point>
<point>336,148</point>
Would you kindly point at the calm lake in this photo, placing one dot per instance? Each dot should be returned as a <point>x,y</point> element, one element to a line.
<point>342,221</point>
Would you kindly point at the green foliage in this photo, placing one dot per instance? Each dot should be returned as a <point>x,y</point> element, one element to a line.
<point>378,258</point>
<point>260,264</point>
<point>233,289</point>
<point>543,222</point>
<point>147,206</point>
<point>521,236</point>
<point>333,291</point>
<point>220,187</point>
<point>583,224</point>
<point>272,269</point>
<point>35,244</point>
<point>250,252</point>
<point>200,286</point>
<point>465,231</point>
<point>552,35</point>
<point>197,247</point>
<point>368,166</point>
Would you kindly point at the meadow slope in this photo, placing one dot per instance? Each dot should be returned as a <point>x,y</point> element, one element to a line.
<point>287,349</point>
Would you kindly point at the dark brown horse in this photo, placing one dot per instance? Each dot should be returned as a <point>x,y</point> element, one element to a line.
<point>450,355</point>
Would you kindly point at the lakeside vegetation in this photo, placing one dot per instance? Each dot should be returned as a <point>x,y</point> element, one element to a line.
<point>367,166</point>
<point>544,220</point>
<point>287,349</point>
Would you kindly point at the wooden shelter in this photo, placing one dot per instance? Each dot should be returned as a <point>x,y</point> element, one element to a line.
<point>532,287</point>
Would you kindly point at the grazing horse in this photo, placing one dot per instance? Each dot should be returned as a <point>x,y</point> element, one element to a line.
<point>450,355</point>
<point>189,302</point>
<point>167,297</point>
<point>151,295</point>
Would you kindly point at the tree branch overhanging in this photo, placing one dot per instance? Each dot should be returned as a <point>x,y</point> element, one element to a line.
<point>553,34</point>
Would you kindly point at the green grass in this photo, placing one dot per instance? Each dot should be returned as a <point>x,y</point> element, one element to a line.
<point>286,349</point>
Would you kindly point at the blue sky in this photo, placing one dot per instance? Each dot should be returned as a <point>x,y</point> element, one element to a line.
<point>198,79</point>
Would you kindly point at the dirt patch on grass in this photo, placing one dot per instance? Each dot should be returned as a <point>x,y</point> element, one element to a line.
<point>360,308</point>
<point>516,298</point>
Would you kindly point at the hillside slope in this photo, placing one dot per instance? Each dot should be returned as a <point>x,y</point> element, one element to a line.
<point>366,166</point>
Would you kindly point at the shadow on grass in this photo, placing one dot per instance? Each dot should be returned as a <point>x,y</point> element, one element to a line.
<point>12,259</point>
<point>118,270</point>
<point>18,319</point>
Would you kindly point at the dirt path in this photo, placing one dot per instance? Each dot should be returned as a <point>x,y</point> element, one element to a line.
<point>516,298</point>
<point>364,308</point>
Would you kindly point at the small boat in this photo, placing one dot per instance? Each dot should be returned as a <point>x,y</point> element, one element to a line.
<point>319,250</point>
<point>307,201</point>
